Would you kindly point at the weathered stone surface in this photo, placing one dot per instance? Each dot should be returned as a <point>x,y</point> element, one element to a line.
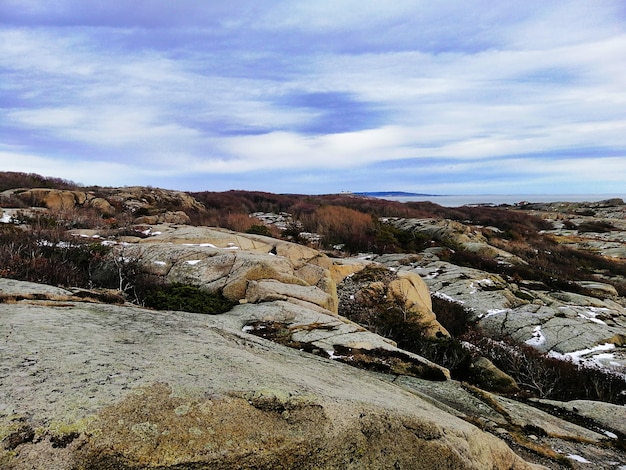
<point>102,205</point>
<point>551,438</point>
<point>454,233</point>
<point>270,290</point>
<point>332,336</point>
<point>221,260</point>
<point>106,386</point>
<point>53,199</point>
<point>410,291</point>
<point>343,268</point>
<point>135,197</point>
<point>167,217</point>
<point>562,322</point>
<point>610,416</point>
<point>598,289</point>
<point>11,287</point>
<point>490,378</point>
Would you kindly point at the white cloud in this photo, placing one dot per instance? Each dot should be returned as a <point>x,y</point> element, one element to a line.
<point>468,83</point>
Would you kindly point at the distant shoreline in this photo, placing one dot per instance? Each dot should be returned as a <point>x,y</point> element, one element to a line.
<point>490,199</point>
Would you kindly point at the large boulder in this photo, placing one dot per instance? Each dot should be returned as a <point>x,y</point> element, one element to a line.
<point>107,386</point>
<point>223,261</point>
<point>375,292</point>
<point>64,200</point>
<point>53,199</point>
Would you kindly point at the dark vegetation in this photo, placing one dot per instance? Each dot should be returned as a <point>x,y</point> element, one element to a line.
<point>15,180</point>
<point>181,297</point>
<point>50,256</point>
<point>540,375</point>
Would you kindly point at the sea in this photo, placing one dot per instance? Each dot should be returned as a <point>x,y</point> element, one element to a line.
<point>499,199</point>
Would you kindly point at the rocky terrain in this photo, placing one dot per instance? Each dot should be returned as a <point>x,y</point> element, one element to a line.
<point>280,379</point>
<point>585,325</point>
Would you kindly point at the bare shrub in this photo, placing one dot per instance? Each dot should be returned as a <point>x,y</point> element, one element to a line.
<point>548,377</point>
<point>48,256</point>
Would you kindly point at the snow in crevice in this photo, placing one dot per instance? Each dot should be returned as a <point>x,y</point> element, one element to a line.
<point>578,458</point>
<point>537,339</point>
<point>590,313</point>
<point>443,296</point>
<point>587,355</point>
<point>495,311</point>
<point>432,275</point>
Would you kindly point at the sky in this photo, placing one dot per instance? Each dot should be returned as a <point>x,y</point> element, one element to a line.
<point>316,97</point>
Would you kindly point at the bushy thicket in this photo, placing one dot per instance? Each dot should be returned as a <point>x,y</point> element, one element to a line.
<point>541,375</point>
<point>49,256</point>
<point>180,297</point>
<point>14,180</point>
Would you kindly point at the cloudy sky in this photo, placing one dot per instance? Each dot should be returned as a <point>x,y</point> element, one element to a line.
<point>319,96</point>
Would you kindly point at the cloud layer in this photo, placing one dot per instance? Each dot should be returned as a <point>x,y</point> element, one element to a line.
<point>314,97</point>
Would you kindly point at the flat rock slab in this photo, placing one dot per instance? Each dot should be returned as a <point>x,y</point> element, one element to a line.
<point>105,386</point>
<point>11,287</point>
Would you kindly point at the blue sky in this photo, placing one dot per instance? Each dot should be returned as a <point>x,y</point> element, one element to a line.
<point>440,97</point>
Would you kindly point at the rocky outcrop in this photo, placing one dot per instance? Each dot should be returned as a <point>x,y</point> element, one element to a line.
<point>575,326</point>
<point>107,386</point>
<point>452,233</point>
<point>240,266</point>
<point>292,287</point>
<point>147,205</point>
<point>140,197</point>
<point>599,227</point>
<point>60,200</point>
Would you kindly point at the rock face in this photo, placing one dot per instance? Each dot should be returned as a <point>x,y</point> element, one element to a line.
<point>149,205</point>
<point>581,326</point>
<point>106,386</point>
<point>586,326</point>
<point>238,265</point>
<point>59,200</point>
<point>294,289</point>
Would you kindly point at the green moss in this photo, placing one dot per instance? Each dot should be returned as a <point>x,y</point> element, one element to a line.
<point>186,298</point>
<point>524,295</point>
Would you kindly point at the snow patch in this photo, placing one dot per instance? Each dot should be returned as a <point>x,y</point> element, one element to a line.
<point>210,245</point>
<point>609,434</point>
<point>193,261</point>
<point>538,339</point>
<point>578,458</point>
<point>443,296</point>
<point>332,355</point>
<point>491,313</point>
<point>580,356</point>
<point>160,263</point>
<point>591,313</point>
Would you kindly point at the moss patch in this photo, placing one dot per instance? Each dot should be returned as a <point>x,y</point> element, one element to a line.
<point>186,298</point>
